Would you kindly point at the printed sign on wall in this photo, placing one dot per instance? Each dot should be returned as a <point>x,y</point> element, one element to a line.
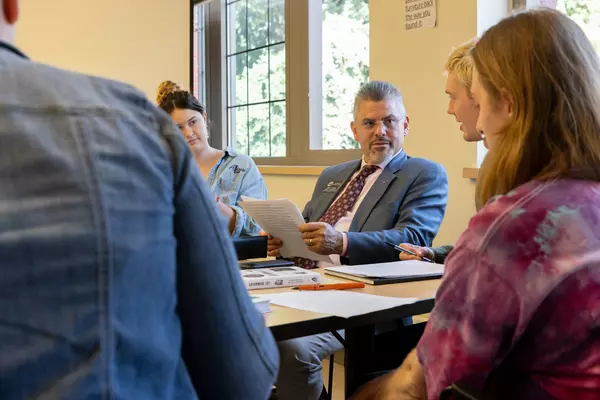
<point>419,14</point>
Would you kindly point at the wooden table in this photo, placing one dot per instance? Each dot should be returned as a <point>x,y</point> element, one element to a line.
<point>287,323</point>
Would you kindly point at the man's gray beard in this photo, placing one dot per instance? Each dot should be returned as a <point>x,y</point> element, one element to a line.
<point>377,157</point>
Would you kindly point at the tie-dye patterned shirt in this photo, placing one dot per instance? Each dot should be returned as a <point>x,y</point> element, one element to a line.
<point>522,286</point>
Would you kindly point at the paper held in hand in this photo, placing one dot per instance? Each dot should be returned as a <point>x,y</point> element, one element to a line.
<point>281,218</point>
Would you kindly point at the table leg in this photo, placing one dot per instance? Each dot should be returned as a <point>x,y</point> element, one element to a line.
<point>358,357</point>
<point>370,353</point>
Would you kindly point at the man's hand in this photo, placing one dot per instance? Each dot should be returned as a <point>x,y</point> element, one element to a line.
<point>273,245</point>
<point>419,251</point>
<point>322,238</point>
<point>405,383</point>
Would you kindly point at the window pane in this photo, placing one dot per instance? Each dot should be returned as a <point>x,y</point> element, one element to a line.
<point>276,21</point>
<point>258,75</point>
<point>238,80</point>
<point>587,15</point>
<point>345,67</point>
<point>195,61</point>
<point>278,143</point>
<point>277,77</point>
<point>236,27</point>
<point>258,23</point>
<point>238,126</point>
<point>518,5</point>
<point>258,130</point>
<point>199,55</point>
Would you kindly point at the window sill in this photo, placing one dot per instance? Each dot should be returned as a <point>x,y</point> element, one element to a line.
<point>290,170</point>
<point>470,173</point>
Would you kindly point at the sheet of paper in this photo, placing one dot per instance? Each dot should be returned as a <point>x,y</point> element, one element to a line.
<point>246,198</point>
<point>341,303</point>
<point>392,269</point>
<point>281,219</point>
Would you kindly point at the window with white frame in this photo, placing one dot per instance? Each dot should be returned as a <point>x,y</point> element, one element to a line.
<point>345,63</point>
<point>586,13</point>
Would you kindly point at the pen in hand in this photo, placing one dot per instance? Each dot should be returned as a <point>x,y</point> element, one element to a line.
<point>412,253</point>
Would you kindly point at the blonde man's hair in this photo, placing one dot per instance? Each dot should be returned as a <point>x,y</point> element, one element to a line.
<point>460,63</point>
<point>547,66</point>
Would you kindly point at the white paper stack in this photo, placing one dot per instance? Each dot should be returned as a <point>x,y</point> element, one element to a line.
<point>341,303</point>
<point>262,304</point>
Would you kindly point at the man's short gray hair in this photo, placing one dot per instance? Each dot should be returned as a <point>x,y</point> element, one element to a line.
<point>378,91</point>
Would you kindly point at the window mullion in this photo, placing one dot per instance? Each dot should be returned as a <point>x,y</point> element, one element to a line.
<point>297,79</point>
<point>315,71</point>
<point>215,70</point>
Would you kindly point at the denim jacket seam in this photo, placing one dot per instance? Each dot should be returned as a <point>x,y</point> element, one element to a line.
<point>253,334</point>
<point>103,257</point>
<point>96,111</point>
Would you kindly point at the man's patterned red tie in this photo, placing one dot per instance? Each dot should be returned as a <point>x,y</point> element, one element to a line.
<point>340,207</point>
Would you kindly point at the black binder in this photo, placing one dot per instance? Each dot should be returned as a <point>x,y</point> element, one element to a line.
<point>250,247</point>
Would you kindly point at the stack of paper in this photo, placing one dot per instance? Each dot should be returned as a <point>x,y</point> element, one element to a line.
<point>281,218</point>
<point>262,304</point>
<point>392,272</point>
<point>341,303</point>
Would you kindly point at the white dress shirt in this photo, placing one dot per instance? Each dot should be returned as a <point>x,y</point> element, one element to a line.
<point>344,223</point>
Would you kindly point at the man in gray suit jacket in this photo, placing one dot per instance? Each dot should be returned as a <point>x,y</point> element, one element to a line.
<point>358,206</point>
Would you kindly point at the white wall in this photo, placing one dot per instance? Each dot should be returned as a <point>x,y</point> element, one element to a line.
<point>140,42</point>
<point>414,61</point>
<point>296,188</point>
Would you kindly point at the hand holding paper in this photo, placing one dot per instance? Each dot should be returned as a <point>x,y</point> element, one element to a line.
<point>273,246</point>
<point>281,218</point>
<point>322,238</point>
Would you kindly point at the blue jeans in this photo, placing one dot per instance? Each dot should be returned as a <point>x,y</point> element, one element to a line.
<point>300,373</point>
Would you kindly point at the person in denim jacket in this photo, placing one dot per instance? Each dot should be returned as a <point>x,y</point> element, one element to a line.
<point>117,278</point>
<point>229,174</point>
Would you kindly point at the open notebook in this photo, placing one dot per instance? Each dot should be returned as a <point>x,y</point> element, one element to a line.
<point>392,272</point>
